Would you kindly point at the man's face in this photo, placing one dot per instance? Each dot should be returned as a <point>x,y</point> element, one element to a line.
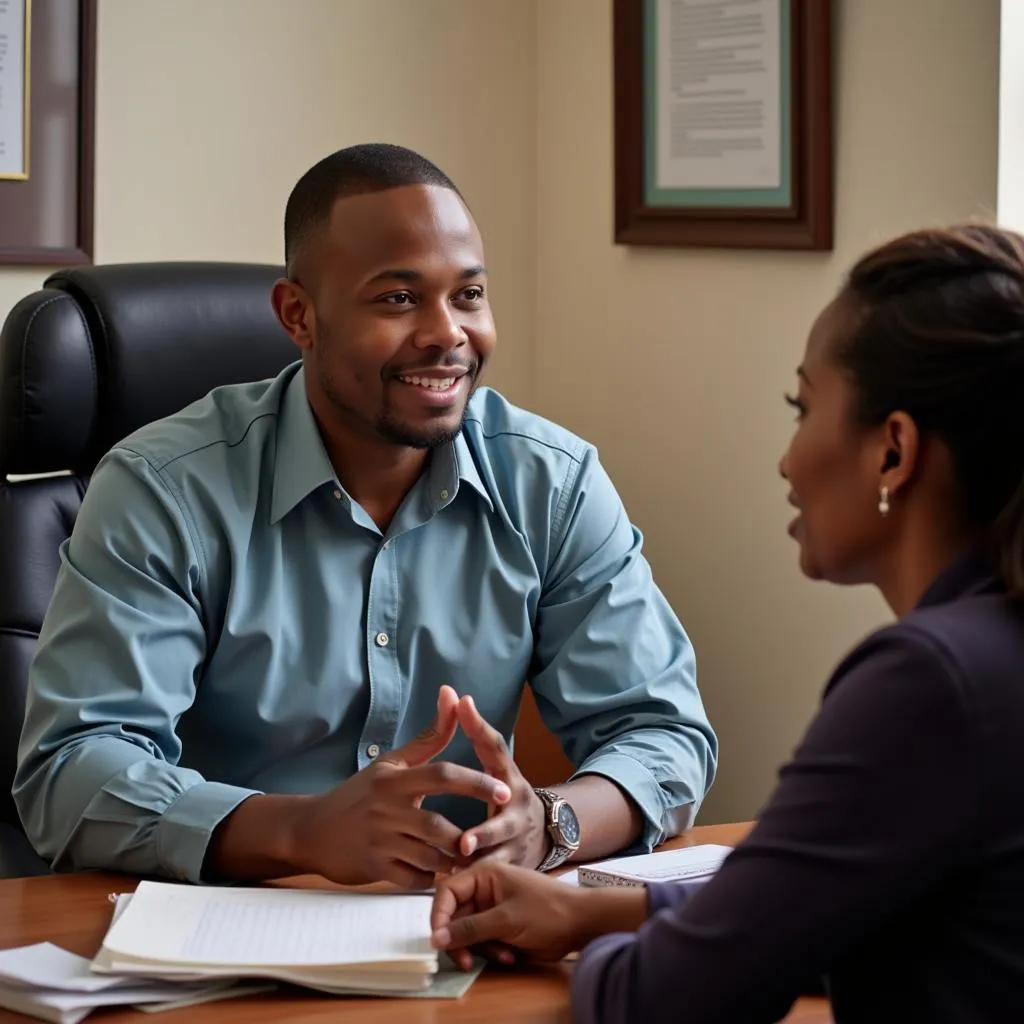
<point>393,315</point>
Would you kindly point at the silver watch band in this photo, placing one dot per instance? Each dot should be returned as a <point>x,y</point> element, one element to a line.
<point>558,853</point>
<point>557,856</point>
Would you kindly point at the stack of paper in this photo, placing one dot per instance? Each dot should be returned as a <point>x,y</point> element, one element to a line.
<point>52,984</point>
<point>690,864</point>
<point>331,941</point>
<point>176,945</point>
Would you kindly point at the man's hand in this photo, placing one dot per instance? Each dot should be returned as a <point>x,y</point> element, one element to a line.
<point>503,907</point>
<point>516,832</point>
<point>372,827</point>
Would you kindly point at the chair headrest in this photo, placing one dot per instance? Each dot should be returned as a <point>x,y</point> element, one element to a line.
<point>100,351</point>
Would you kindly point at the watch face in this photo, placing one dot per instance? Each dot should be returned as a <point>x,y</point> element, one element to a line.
<point>568,825</point>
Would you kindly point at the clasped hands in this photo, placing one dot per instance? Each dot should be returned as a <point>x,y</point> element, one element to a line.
<point>490,900</point>
<point>373,826</point>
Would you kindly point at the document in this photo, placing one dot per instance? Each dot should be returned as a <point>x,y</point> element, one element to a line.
<point>335,942</point>
<point>718,99</point>
<point>52,984</point>
<point>171,946</point>
<point>212,927</point>
<point>13,89</point>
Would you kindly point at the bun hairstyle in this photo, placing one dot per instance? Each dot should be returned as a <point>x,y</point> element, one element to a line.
<point>939,335</point>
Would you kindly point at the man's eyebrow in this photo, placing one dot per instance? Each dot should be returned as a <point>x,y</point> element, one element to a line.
<point>412,276</point>
<point>802,373</point>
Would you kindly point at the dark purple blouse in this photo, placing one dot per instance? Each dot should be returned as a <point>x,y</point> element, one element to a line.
<point>889,860</point>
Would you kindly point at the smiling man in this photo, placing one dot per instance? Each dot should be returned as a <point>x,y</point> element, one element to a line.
<point>293,624</point>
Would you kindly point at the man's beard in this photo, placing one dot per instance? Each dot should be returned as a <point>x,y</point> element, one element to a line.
<point>388,427</point>
<point>391,429</point>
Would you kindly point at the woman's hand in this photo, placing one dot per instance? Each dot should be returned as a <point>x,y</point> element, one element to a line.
<point>509,907</point>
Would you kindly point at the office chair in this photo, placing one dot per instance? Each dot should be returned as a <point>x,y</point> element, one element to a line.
<point>84,361</point>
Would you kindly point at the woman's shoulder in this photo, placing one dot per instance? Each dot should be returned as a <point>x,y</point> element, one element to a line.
<point>973,646</point>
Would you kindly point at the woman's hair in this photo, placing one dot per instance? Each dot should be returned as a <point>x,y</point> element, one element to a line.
<point>938,333</point>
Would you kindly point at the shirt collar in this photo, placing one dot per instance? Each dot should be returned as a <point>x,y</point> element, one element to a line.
<point>302,465</point>
<point>466,467</point>
<point>451,465</point>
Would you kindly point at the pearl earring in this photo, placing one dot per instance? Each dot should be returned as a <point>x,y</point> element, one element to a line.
<point>883,501</point>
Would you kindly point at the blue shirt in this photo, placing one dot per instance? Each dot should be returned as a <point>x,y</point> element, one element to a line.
<point>226,621</point>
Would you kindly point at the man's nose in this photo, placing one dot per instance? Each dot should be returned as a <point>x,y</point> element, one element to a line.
<point>439,328</point>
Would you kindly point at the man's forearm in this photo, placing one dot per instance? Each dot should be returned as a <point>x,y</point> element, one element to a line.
<point>609,820</point>
<point>257,841</point>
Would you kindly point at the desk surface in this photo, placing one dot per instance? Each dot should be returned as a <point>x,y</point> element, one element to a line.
<point>73,912</point>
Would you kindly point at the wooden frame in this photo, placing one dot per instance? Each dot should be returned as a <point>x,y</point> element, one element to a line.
<point>47,218</point>
<point>803,220</point>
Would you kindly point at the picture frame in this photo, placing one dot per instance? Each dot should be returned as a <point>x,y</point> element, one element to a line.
<point>46,214</point>
<point>723,123</point>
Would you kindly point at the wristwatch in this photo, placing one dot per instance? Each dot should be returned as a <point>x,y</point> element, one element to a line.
<point>563,828</point>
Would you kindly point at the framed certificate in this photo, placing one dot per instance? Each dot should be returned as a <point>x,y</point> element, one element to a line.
<point>723,123</point>
<point>47,100</point>
<point>15,34</point>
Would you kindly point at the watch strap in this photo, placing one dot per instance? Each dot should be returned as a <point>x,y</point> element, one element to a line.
<point>559,852</point>
<point>556,857</point>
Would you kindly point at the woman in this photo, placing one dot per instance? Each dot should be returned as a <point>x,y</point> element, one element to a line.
<point>890,857</point>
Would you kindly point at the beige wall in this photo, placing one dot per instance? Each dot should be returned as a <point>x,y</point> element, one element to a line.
<point>208,112</point>
<point>674,362</point>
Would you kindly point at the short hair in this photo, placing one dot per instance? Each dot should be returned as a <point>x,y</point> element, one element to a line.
<point>938,333</point>
<point>355,170</point>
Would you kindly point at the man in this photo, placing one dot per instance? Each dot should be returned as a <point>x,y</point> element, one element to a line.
<point>280,606</point>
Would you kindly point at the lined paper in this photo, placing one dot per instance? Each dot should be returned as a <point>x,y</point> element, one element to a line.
<point>205,926</point>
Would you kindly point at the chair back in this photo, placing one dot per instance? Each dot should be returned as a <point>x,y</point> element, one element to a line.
<point>94,354</point>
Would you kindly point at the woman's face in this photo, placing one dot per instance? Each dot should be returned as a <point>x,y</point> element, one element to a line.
<point>833,466</point>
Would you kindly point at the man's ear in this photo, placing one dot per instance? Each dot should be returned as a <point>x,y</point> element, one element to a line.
<point>900,452</point>
<point>294,310</point>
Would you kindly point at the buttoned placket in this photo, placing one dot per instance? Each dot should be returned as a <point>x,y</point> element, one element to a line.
<point>382,654</point>
<point>386,690</point>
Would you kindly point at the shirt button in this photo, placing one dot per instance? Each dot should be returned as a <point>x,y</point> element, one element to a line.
<point>444,495</point>
<point>385,545</point>
<point>382,639</point>
<point>337,495</point>
<point>372,750</point>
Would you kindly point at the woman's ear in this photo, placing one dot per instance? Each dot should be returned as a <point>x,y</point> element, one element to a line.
<point>901,441</point>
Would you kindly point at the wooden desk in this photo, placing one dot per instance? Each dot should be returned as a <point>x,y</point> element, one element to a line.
<point>73,912</point>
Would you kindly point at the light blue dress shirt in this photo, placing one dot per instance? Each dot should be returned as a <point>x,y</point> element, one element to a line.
<point>227,621</point>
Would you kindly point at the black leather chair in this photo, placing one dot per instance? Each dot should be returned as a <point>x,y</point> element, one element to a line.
<point>96,353</point>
